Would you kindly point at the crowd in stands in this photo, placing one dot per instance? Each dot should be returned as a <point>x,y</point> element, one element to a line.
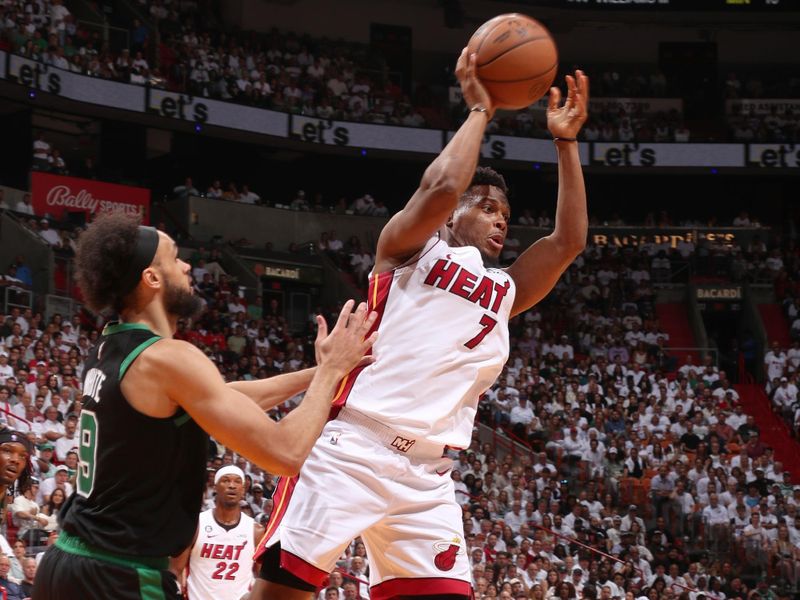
<point>48,158</point>
<point>783,392</point>
<point>46,31</point>
<point>364,205</point>
<point>637,474</point>
<point>778,125</point>
<point>339,80</point>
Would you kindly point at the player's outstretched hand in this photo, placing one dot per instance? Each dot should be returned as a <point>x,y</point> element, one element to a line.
<point>566,121</point>
<point>347,344</point>
<point>471,87</point>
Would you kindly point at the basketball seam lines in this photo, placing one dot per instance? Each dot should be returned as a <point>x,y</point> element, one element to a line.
<point>507,50</point>
<point>555,64</point>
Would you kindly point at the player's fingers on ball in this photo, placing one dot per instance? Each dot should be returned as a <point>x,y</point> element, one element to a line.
<point>461,64</point>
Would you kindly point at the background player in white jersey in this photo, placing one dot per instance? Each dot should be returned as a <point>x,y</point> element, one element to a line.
<point>219,563</point>
<point>379,469</point>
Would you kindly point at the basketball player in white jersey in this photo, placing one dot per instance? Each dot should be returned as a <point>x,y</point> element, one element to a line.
<point>220,561</point>
<point>379,469</point>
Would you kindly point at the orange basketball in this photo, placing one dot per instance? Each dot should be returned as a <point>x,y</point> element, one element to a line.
<point>517,59</point>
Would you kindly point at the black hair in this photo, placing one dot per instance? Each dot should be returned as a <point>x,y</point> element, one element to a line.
<point>105,251</point>
<point>488,176</point>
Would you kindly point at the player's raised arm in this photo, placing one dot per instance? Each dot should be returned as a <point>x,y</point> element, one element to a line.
<point>444,180</point>
<point>537,269</point>
<point>193,382</point>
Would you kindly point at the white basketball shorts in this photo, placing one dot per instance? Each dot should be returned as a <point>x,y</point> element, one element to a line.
<point>394,491</point>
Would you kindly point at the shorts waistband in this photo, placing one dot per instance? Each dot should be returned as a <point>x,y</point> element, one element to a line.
<point>76,545</point>
<point>402,443</point>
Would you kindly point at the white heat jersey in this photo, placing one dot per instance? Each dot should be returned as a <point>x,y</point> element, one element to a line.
<point>442,342</point>
<point>221,562</point>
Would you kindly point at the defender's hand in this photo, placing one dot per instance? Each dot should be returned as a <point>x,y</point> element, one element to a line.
<point>346,345</point>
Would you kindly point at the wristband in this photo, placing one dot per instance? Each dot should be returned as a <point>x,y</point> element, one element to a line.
<point>564,139</point>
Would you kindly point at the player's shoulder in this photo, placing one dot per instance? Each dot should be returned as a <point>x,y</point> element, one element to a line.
<point>174,364</point>
<point>434,248</point>
<point>171,353</point>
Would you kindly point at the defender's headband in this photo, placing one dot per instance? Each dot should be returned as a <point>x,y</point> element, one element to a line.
<point>146,246</point>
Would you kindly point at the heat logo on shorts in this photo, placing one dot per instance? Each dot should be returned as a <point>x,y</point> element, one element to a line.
<point>403,444</point>
<point>446,552</point>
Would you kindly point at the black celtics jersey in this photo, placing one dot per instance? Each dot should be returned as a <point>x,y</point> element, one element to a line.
<point>140,480</point>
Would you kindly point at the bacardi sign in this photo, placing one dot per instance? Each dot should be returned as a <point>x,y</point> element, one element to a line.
<point>56,196</point>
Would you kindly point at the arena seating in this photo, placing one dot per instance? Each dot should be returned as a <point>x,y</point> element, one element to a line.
<point>302,75</point>
<point>587,364</point>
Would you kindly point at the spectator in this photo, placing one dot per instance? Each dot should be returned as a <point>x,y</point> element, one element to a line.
<point>29,573</point>
<point>12,589</point>
<point>27,515</point>
<point>50,236</point>
<point>41,153</point>
<point>214,190</point>
<point>24,206</point>
<point>248,197</point>
<point>186,189</point>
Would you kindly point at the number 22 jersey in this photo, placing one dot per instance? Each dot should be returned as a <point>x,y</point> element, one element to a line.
<point>442,342</point>
<point>221,561</point>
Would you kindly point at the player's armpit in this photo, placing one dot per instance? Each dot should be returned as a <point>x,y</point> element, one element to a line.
<point>407,231</point>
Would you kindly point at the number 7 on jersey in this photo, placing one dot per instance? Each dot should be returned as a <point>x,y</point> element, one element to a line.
<point>487,323</point>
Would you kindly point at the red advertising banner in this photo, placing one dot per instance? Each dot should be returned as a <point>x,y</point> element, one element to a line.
<point>57,195</point>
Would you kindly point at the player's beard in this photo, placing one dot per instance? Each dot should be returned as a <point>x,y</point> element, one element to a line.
<point>228,504</point>
<point>490,261</point>
<point>181,302</point>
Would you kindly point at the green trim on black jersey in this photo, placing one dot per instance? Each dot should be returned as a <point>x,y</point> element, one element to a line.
<point>118,327</point>
<point>134,353</point>
<point>75,545</point>
<point>148,569</point>
<point>150,584</point>
<point>181,419</point>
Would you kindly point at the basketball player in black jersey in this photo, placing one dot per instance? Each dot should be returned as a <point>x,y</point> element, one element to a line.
<point>147,402</point>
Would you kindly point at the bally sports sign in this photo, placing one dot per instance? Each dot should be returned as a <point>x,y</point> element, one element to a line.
<point>56,196</point>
